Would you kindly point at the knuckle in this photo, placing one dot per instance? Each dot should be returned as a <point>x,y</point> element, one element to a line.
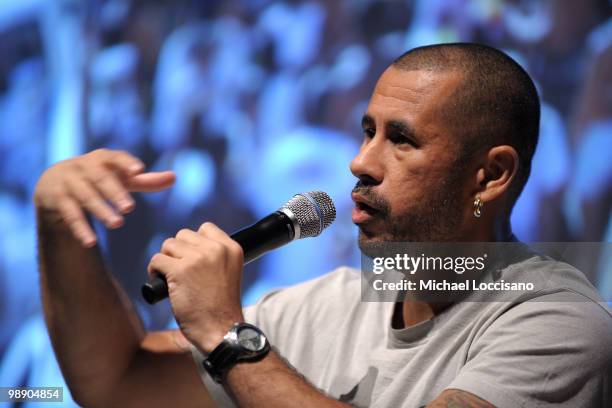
<point>97,177</point>
<point>71,164</point>
<point>205,226</point>
<point>92,203</point>
<point>121,157</point>
<point>183,233</point>
<point>122,154</point>
<point>76,167</point>
<point>168,242</point>
<point>98,152</point>
<point>70,218</point>
<point>217,246</point>
<point>47,191</point>
<point>193,261</point>
<point>56,191</point>
<point>111,188</point>
<point>200,258</point>
<point>236,249</point>
<point>218,250</point>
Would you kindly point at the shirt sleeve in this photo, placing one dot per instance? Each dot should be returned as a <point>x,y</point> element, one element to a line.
<point>551,351</point>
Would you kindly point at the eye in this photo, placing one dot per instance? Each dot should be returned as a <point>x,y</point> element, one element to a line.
<point>399,139</point>
<point>369,132</point>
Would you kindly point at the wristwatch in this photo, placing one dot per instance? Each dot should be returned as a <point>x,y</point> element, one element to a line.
<point>243,342</point>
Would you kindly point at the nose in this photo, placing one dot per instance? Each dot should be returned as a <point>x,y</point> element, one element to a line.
<point>368,165</point>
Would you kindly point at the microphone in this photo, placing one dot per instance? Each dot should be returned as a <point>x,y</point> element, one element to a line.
<point>305,215</point>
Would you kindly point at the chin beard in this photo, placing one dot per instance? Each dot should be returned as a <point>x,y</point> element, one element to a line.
<point>439,222</point>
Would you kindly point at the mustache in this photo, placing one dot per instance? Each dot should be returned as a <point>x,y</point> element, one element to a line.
<point>367,191</point>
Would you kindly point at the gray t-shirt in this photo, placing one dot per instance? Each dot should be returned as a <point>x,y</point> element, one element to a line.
<point>552,348</point>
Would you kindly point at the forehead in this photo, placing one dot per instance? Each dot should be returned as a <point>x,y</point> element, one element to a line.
<point>416,97</point>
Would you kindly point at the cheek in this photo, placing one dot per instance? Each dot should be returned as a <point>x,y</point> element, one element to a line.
<point>401,189</point>
<point>411,179</point>
<point>409,171</point>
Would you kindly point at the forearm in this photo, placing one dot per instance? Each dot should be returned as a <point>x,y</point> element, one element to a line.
<point>273,383</point>
<point>93,328</point>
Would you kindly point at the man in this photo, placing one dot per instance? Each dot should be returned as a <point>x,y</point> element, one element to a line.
<point>448,137</point>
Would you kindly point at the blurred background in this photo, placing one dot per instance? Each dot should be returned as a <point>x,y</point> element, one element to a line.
<point>252,101</point>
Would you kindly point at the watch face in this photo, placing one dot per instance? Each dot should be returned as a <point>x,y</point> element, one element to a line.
<point>251,339</point>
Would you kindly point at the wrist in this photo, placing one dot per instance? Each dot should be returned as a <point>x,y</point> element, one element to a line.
<point>214,335</point>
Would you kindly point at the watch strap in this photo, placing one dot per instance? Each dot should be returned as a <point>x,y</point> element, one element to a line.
<point>220,360</point>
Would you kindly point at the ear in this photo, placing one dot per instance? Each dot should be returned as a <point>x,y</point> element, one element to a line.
<point>497,172</point>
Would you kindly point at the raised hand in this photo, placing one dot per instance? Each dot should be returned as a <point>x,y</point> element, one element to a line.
<point>98,183</point>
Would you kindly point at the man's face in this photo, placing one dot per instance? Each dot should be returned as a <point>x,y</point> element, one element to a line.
<point>410,187</point>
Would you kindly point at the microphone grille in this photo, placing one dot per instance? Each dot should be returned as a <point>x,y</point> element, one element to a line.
<point>314,211</point>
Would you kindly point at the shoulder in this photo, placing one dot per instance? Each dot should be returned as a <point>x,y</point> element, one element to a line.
<point>551,348</point>
<point>549,276</point>
<point>562,312</point>
<point>563,318</point>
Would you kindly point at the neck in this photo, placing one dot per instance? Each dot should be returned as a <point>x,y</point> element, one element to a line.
<point>502,231</point>
<point>491,230</point>
<point>413,312</point>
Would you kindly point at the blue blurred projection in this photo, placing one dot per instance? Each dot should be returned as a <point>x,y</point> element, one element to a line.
<point>251,102</point>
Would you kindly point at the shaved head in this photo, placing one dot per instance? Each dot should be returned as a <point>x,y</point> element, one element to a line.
<point>495,103</point>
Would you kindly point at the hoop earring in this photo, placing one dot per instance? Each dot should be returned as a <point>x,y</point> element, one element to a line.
<point>477,207</point>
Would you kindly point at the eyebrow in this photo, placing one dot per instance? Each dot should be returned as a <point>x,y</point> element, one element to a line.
<point>403,128</point>
<point>367,120</point>
<point>394,125</point>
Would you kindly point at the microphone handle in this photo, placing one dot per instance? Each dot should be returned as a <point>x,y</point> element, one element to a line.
<point>271,232</point>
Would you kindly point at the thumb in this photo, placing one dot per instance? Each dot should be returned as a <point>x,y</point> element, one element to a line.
<point>150,182</point>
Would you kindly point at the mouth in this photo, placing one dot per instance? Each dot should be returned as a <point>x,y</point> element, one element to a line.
<point>363,210</point>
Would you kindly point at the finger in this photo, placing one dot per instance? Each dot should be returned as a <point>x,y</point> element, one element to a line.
<point>211,231</point>
<point>159,265</point>
<point>189,236</point>
<point>177,249</point>
<point>89,198</point>
<point>111,188</point>
<point>151,182</point>
<point>121,160</point>
<point>75,219</point>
